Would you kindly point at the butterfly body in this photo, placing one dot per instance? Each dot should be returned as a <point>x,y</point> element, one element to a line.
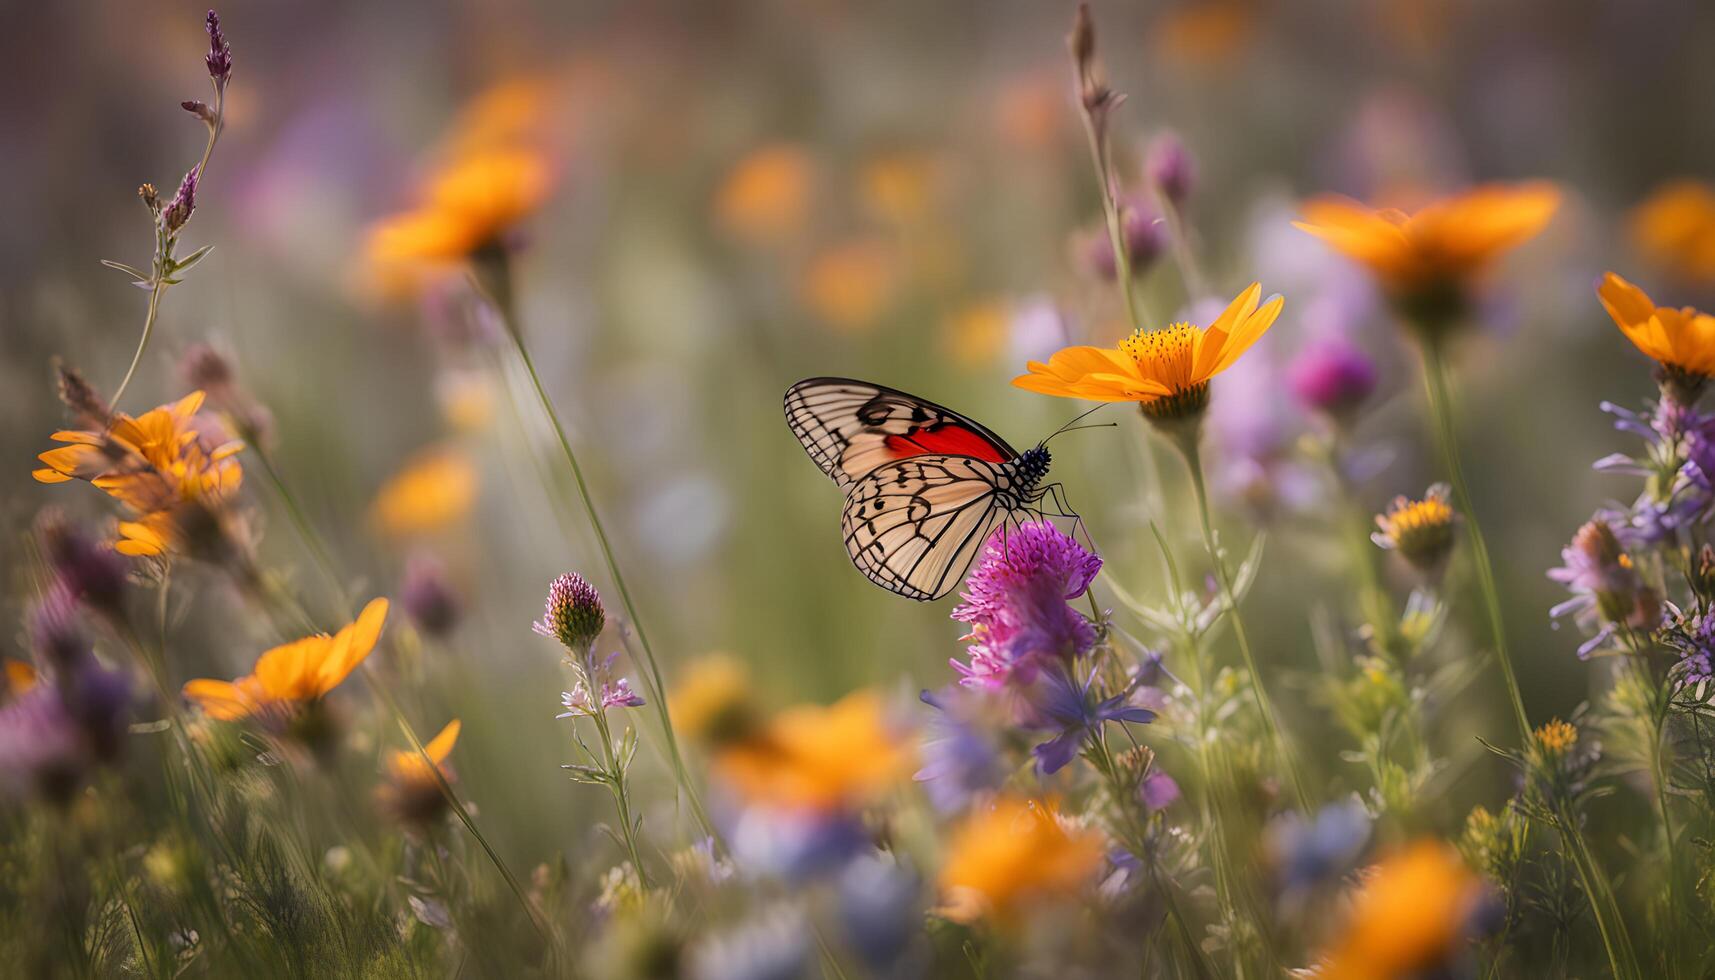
<point>924,485</point>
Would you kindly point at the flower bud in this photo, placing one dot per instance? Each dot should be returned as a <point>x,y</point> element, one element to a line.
<point>1332,376</point>
<point>1170,169</point>
<point>573,613</point>
<point>428,597</point>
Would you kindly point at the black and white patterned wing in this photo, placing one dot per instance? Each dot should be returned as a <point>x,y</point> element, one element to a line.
<point>914,525</point>
<point>852,427</point>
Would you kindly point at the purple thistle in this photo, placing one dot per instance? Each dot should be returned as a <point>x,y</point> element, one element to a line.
<point>1016,602</point>
<point>573,613</point>
<point>219,57</point>
<point>1035,553</point>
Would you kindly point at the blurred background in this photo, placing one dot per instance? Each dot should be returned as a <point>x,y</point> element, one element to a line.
<point>748,194</point>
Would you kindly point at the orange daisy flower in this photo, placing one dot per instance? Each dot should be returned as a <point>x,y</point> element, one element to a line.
<point>294,674</point>
<point>1165,371</point>
<point>164,466</point>
<point>1681,341</point>
<point>1426,260</point>
<point>1012,854</point>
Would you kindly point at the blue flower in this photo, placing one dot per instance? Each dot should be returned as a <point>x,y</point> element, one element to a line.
<point>1071,711</point>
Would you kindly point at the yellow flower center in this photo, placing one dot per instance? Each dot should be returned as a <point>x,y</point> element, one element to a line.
<point>1556,737</point>
<point>1419,515</point>
<point>1168,355</point>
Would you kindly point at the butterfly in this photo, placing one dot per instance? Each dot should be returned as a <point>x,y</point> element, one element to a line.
<point>924,485</point>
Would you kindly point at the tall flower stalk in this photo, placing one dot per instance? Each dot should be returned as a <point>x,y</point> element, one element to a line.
<point>170,217</point>
<point>1186,441</point>
<point>574,616</point>
<point>493,275</point>
<point>1447,443</point>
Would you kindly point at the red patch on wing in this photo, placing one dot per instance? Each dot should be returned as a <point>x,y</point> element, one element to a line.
<point>945,437</point>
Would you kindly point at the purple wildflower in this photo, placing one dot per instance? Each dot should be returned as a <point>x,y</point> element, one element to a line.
<point>1016,603</point>
<point>1694,639</point>
<point>1070,710</point>
<point>961,751</point>
<point>41,749</point>
<point>55,630</point>
<point>573,613</point>
<point>1307,852</point>
<point>576,701</point>
<point>427,596</point>
<point>879,912</point>
<point>1140,227</point>
<point>1170,168</point>
<point>178,210</point>
<point>1332,376</point>
<point>1607,590</point>
<point>618,694</point>
<point>93,572</point>
<point>219,57</point>
<point>1158,791</point>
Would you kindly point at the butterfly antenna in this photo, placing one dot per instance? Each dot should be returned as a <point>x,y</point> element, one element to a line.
<point>1073,425</point>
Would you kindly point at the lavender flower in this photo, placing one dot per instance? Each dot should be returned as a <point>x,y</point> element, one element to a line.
<point>1158,791</point>
<point>573,614</point>
<point>1693,638</point>
<point>219,57</point>
<point>1308,852</point>
<point>1072,712</point>
<point>961,752</point>
<point>1608,592</point>
<point>178,210</point>
<point>618,694</point>
<point>879,912</point>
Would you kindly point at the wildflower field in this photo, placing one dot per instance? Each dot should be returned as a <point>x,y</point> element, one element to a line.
<point>737,491</point>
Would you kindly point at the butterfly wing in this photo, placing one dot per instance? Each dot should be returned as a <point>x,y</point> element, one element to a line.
<point>913,526</point>
<point>851,428</point>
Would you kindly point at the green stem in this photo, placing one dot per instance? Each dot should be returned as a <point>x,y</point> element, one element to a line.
<point>1111,212</point>
<point>300,523</point>
<point>501,294</point>
<point>164,249</point>
<point>621,798</point>
<point>143,341</point>
<point>1616,942</point>
<point>1187,445</point>
<point>458,808</point>
<point>1441,408</point>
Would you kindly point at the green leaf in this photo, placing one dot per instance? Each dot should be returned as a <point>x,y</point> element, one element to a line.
<point>136,274</point>
<point>180,265</point>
